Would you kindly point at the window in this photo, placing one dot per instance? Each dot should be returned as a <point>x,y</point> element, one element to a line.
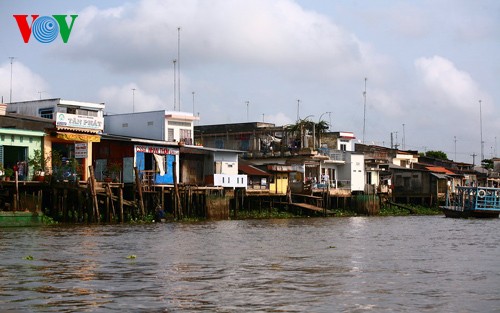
<point>86,112</point>
<point>150,123</point>
<point>125,125</point>
<point>170,134</point>
<point>185,134</point>
<point>184,124</point>
<point>79,111</point>
<point>46,113</point>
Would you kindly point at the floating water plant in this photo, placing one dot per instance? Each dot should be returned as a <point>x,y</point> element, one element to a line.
<point>29,258</point>
<point>132,256</point>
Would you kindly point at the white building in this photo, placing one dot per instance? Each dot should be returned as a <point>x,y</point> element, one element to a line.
<point>157,125</point>
<point>344,167</point>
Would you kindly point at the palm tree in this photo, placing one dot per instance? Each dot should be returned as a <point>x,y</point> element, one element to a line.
<point>305,126</point>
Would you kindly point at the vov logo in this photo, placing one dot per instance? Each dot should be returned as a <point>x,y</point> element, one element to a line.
<point>45,28</point>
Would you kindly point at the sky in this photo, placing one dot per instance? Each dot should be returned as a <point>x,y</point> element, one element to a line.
<point>424,73</point>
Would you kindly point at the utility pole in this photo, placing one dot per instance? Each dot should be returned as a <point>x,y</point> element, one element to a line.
<point>11,61</point>
<point>404,139</point>
<point>133,100</point>
<point>364,112</point>
<point>298,108</point>
<point>179,63</point>
<point>193,102</point>
<point>175,84</point>
<point>455,140</point>
<point>481,126</point>
<point>247,103</point>
<point>473,159</point>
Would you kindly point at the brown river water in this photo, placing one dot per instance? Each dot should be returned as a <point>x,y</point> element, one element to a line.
<point>357,264</point>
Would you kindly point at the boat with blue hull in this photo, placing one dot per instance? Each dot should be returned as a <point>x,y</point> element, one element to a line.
<point>480,202</point>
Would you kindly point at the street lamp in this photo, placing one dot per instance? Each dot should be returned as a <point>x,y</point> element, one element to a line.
<point>322,116</point>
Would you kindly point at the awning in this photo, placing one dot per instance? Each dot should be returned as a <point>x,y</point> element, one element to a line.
<point>78,137</point>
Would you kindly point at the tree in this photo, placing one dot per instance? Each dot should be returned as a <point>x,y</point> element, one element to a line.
<point>436,155</point>
<point>487,164</point>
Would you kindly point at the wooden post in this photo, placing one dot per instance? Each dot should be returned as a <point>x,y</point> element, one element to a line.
<point>120,203</point>
<point>64,203</point>
<point>139,190</point>
<point>178,206</point>
<point>109,193</point>
<point>16,194</point>
<point>93,191</point>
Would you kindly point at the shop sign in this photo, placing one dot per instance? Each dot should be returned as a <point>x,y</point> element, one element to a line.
<point>156,150</point>
<point>79,121</point>
<point>81,150</point>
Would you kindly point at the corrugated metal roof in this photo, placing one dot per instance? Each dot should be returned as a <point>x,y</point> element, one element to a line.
<point>250,170</point>
<point>440,176</point>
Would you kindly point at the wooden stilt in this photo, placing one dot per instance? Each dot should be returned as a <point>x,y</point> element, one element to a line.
<point>120,203</point>
<point>110,196</point>
<point>178,206</point>
<point>139,191</point>
<point>16,194</point>
<point>93,191</point>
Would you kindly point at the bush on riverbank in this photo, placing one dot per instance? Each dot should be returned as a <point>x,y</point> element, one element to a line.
<point>415,210</point>
<point>261,214</point>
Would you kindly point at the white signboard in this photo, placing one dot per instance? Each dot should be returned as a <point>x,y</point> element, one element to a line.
<point>79,121</point>
<point>81,150</point>
<point>156,150</point>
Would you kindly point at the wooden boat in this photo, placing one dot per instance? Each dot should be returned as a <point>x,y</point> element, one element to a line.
<point>480,202</point>
<point>20,218</point>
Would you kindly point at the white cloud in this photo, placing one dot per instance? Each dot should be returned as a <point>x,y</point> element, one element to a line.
<point>122,99</point>
<point>266,34</point>
<point>26,85</point>
<point>448,87</point>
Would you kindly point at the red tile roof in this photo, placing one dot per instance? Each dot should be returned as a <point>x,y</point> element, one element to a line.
<point>439,169</point>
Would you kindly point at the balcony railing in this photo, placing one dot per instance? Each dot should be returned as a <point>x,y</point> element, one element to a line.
<point>230,181</point>
<point>333,154</point>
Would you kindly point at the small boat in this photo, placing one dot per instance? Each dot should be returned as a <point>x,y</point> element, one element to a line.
<point>480,202</point>
<point>20,218</point>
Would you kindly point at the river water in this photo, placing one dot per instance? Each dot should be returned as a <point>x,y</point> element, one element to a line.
<point>358,264</point>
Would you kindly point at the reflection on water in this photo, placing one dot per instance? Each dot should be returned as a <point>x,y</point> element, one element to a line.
<point>375,264</point>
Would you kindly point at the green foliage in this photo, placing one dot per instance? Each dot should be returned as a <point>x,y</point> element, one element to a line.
<point>47,220</point>
<point>417,209</point>
<point>345,213</point>
<point>38,160</point>
<point>487,164</point>
<point>436,155</point>
<point>8,172</point>
<point>262,214</point>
